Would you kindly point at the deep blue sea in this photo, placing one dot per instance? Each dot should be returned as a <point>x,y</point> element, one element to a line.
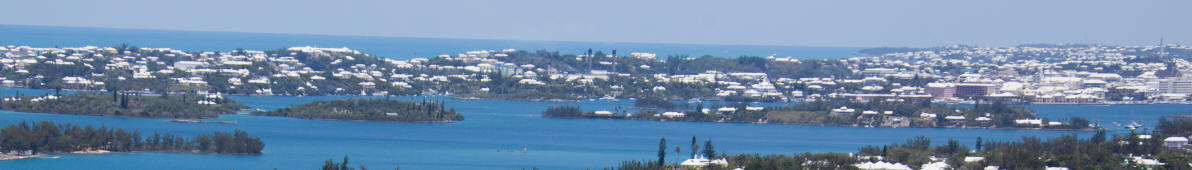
<point>391,47</point>
<point>496,132</point>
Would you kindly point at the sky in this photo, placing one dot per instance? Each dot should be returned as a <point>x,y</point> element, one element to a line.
<point>853,23</point>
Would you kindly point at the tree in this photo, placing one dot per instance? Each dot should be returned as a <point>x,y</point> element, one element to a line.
<point>978,143</point>
<point>694,146</point>
<point>1099,137</point>
<point>708,150</point>
<point>662,151</point>
<point>329,165</point>
<point>344,165</point>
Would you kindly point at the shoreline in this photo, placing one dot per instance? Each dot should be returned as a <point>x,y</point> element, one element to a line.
<point>829,125</point>
<point>7,157</point>
<point>458,97</point>
<point>344,120</point>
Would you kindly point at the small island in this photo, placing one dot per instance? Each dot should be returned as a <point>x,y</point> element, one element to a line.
<point>876,113</point>
<point>125,105</point>
<point>371,110</point>
<point>25,140</point>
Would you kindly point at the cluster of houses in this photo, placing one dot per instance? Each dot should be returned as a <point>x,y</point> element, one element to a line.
<point>1098,74</point>
<point>1064,75</point>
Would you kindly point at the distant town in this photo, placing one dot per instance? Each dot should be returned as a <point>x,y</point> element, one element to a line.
<point>1027,74</point>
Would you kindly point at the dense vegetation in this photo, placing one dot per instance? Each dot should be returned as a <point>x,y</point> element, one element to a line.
<point>901,114</point>
<point>47,137</point>
<point>370,110</point>
<point>564,112</point>
<point>1069,151</point>
<point>330,164</point>
<point>124,105</point>
<point>1180,125</point>
<point>652,102</point>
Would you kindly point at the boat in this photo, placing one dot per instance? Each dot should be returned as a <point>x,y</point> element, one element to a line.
<point>186,121</point>
<point>609,98</point>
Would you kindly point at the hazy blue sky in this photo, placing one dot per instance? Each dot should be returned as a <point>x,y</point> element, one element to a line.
<point>768,22</point>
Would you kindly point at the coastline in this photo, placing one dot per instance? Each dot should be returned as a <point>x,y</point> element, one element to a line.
<point>7,157</point>
<point>831,125</point>
<point>472,97</point>
<point>344,120</point>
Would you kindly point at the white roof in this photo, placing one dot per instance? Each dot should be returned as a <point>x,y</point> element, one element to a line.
<point>727,109</point>
<point>673,114</point>
<point>1176,139</point>
<point>882,165</point>
<point>752,108</point>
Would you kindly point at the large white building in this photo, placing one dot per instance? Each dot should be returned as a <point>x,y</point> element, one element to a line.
<point>1172,86</point>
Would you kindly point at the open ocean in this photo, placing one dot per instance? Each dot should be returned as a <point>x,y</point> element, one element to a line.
<point>391,47</point>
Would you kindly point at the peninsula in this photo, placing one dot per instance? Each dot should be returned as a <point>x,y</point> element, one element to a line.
<point>846,113</point>
<point>25,140</point>
<point>125,105</point>
<point>384,110</point>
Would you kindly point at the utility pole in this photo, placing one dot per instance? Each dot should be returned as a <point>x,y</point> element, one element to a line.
<point>590,58</point>
<point>614,60</point>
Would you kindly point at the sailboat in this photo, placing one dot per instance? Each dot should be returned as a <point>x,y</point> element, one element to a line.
<point>1133,125</point>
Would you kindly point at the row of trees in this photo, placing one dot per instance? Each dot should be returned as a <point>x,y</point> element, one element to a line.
<point>1100,151</point>
<point>330,164</point>
<point>372,110</point>
<point>47,137</point>
<point>708,150</point>
<point>125,105</point>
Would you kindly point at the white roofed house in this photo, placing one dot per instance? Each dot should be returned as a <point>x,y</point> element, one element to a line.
<point>368,84</point>
<point>259,80</point>
<point>603,113</point>
<point>673,114</point>
<point>1175,141</point>
<point>955,118</point>
<point>843,110</point>
<point>698,161</point>
<point>726,110</point>
<point>188,65</point>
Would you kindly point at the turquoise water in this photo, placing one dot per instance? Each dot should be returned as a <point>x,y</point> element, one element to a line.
<point>495,133</point>
<point>392,47</point>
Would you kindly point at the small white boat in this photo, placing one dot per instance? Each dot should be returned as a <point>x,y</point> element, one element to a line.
<point>609,98</point>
